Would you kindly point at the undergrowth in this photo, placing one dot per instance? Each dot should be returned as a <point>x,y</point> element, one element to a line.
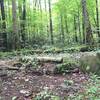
<point>91,92</point>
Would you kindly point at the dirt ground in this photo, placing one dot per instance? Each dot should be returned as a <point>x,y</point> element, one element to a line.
<point>19,85</point>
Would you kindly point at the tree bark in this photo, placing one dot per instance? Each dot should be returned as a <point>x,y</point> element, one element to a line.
<point>50,22</point>
<point>66,24</point>
<point>3,17</point>
<point>23,22</point>
<point>86,24</point>
<point>97,18</point>
<point>45,2</point>
<point>79,26</point>
<point>15,38</point>
<point>75,29</point>
<point>62,29</point>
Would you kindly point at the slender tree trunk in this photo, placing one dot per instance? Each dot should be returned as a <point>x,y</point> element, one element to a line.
<point>3,14</point>
<point>20,20</point>
<point>41,25</point>
<point>4,34</point>
<point>34,11</point>
<point>62,29</point>
<point>86,23</point>
<point>0,21</point>
<point>50,21</point>
<point>83,31</point>
<point>23,22</point>
<point>97,18</point>
<point>66,24</point>
<point>45,2</point>
<point>79,26</point>
<point>75,29</point>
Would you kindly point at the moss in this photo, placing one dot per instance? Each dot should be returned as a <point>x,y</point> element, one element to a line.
<point>90,64</point>
<point>66,67</point>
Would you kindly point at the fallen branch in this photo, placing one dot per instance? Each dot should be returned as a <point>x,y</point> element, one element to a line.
<point>9,68</point>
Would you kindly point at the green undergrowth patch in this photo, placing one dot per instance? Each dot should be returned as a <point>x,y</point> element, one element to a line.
<point>7,54</point>
<point>29,61</point>
<point>48,49</point>
<point>19,53</point>
<point>46,95</point>
<point>66,67</point>
<point>64,49</point>
<point>90,91</point>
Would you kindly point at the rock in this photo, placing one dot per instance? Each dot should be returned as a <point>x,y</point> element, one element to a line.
<point>3,73</point>
<point>65,87</point>
<point>76,70</point>
<point>90,63</point>
<point>50,71</point>
<point>84,49</point>
<point>26,80</point>
<point>26,93</point>
<point>67,67</point>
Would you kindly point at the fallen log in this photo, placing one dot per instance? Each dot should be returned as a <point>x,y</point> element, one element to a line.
<point>50,59</point>
<point>9,68</point>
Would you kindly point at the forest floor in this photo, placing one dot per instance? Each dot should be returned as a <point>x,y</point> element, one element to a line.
<point>22,85</point>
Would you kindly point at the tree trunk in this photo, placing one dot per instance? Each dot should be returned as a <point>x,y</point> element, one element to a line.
<point>75,29</point>
<point>50,21</point>
<point>45,2</point>
<point>62,29</point>
<point>3,34</point>
<point>23,22</point>
<point>97,18</point>
<point>66,24</point>
<point>41,25</point>
<point>15,42</point>
<point>79,26</point>
<point>86,24</point>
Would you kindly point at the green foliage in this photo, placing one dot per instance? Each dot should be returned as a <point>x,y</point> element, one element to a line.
<point>7,54</point>
<point>37,28</point>
<point>68,82</point>
<point>68,49</point>
<point>91,90</point>
<point>66,67</point>
<point>29,61</point>
<point>52,49</point>
<point>46,95</point>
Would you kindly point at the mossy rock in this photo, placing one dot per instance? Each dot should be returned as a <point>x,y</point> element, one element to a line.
<point>84,49</point>
<point>66,67</point>
<point>90,64</point>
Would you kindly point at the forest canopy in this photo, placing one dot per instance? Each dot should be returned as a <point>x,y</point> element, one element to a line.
<point>41,22</point>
